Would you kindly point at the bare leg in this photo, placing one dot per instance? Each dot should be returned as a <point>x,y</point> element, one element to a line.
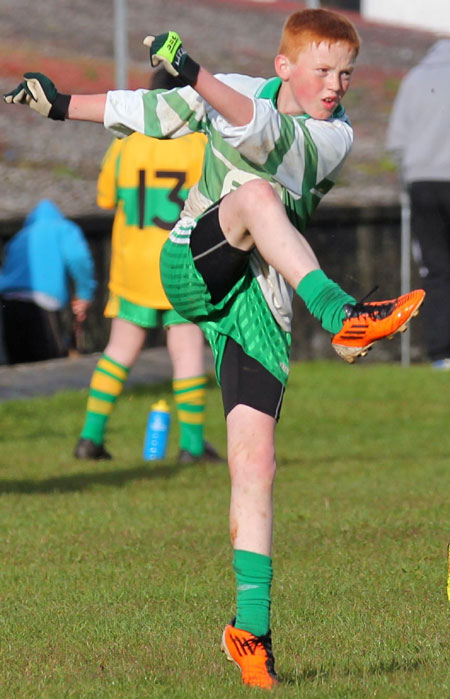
<point>251,458</point>
<point>185,344</point>
<point>254,215</point>
<point>125,341</point>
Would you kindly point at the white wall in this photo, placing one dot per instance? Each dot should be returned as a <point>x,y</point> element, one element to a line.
<point>430,15</point>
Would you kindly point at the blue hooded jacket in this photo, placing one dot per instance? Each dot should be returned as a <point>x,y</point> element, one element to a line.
<point>44,253</point>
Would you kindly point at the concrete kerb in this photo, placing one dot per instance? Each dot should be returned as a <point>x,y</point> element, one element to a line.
<point>74,373</point>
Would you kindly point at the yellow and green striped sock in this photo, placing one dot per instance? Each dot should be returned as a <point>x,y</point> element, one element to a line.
<point>107,383</point>
<point>190,397</point>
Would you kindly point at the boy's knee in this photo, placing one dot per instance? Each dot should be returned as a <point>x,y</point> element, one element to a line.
<point>259,193</point>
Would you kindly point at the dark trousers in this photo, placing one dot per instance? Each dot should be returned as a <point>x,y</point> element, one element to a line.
<point>430,221</point>
<point>30,333</point>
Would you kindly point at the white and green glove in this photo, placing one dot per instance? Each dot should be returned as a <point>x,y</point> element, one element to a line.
<point>39,93</point>
<point>168,49</point>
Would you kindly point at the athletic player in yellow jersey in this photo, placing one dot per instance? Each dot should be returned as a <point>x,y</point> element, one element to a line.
<point>147,180</point>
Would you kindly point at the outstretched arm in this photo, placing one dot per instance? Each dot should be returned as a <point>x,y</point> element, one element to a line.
<point>168,49</point>
<point>235,107</point>
<point>38,92</point>
<point>87,108</point>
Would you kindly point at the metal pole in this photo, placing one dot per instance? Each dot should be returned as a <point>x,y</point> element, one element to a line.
<point>405,268</point>
<point>121,44</point>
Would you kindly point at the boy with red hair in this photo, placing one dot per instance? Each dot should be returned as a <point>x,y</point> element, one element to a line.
<point>237,254</point>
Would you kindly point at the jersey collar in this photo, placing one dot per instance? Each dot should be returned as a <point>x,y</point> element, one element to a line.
<point>269,90</point>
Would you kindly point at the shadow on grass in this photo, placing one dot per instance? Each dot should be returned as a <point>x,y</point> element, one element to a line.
<point>83,481</point>
<point>323,675</point>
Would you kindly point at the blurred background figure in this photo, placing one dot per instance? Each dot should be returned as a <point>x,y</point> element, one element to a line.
<point>39,261</point>
<point>147,181</point>
<point>419,137</point>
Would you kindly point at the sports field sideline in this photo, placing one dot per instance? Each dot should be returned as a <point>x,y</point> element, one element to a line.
<point>46,378</point>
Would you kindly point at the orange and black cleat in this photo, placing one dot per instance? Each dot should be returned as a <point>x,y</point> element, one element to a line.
<point>253,654</point>
<point>368,322</point>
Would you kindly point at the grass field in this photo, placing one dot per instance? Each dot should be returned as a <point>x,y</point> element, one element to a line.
<point>115,577</point>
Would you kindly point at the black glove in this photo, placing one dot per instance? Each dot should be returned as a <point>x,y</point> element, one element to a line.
<point>168,50</point>
<point>39,93</point>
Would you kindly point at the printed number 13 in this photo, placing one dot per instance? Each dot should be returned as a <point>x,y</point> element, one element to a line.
<point>174,196</point>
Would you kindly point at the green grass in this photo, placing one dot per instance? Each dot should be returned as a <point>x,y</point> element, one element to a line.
<point>116,581</point>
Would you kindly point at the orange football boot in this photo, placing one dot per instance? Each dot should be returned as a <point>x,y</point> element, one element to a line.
<point>368,322</point>
<point>253,654</point>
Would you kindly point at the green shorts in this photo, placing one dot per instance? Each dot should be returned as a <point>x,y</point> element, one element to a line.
<point>243,313</point>
<point>119,307</point>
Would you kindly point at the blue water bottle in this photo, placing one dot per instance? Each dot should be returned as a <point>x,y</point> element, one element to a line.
<point>157,431</point>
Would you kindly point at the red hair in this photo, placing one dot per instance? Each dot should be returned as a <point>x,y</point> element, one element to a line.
<point>307,27</point>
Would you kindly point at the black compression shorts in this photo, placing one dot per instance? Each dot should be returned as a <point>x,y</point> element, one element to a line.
<point>220,264</point>
<point>245,381</point>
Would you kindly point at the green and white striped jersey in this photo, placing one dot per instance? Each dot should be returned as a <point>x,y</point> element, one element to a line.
<point>299,155</point>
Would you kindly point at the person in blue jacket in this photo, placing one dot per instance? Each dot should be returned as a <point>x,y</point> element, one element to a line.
<point>34,284</point>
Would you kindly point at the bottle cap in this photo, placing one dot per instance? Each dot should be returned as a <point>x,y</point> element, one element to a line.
<point>161,405</point>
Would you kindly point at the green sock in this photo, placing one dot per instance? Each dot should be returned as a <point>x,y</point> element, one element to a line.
<point>254,578</point>
<point>324,299</point>
<point>107,383</point>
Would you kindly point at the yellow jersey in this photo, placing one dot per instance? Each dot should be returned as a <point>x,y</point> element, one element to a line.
<point>147,180</point>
